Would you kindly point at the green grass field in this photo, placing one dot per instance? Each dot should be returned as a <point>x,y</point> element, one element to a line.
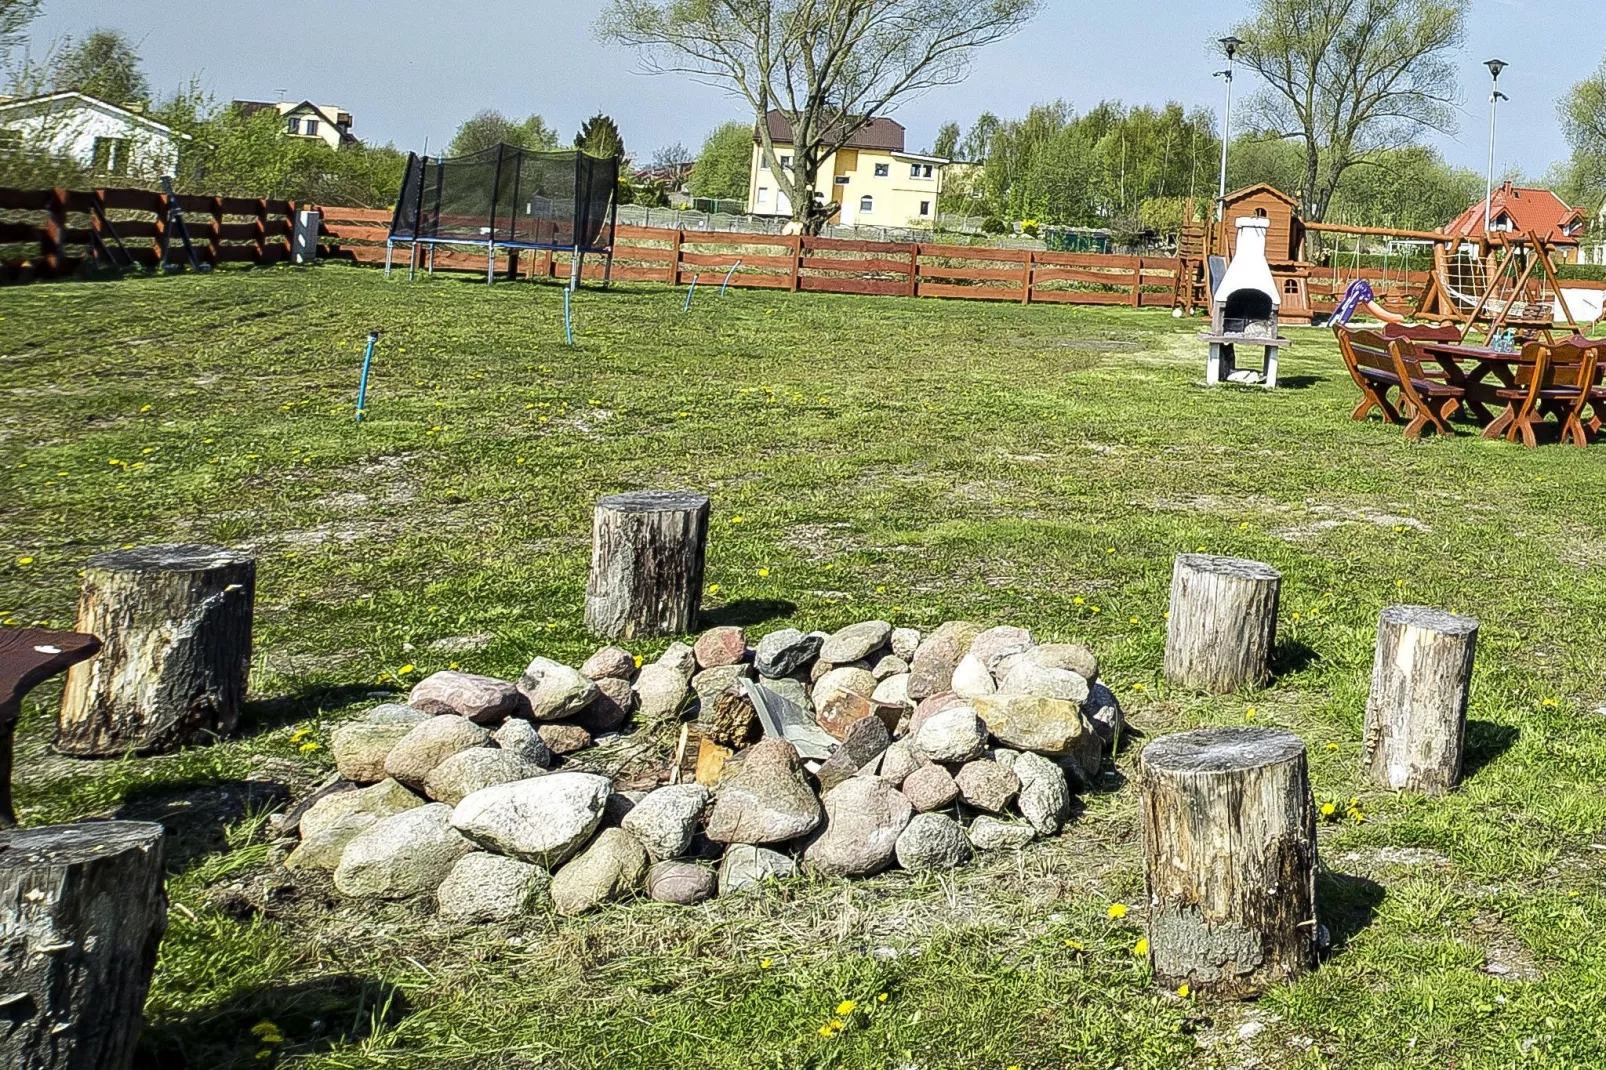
<point>910,460</point>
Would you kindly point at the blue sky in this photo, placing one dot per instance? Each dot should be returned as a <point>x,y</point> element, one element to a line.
<point>413,69</point>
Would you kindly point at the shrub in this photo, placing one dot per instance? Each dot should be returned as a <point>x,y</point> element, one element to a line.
<point>993,225</point>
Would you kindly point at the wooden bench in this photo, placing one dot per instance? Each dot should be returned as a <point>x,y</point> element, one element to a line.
<point>1563,381</point>
<point>1431,399</point>
<point>29,657</point>
<point>1366,355</point>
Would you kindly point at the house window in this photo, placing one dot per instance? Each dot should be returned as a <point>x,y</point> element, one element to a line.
<point>786,163</point>
<point>917,170</point>
<point>866,204</point>
<point>295,125</point>
<point>881,170</point>
<point>841,180</point>
<point>111,155</point>
<point>312,128</point>
<point>763,195</point>
<point>1291,286</point>
<point>925,209</point>
<point>763,162</point>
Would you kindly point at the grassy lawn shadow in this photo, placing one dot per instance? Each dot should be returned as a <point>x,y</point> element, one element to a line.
<point>746,612</point>
<point>266,715</point>
<point>311,1016</point>
<point>1485,742</point>
<point>1291,656</point>
<point>198,810</point>
<point>1346,904</point>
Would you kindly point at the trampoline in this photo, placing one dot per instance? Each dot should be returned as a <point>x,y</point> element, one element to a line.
<point>508,198</point>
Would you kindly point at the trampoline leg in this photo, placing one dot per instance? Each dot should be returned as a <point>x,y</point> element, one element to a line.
<point>389,248</point>
<point>607,270</point>
<point>575,260</point>
<point>412,262</point>
<point>431,268</point>
<point>490,264</point>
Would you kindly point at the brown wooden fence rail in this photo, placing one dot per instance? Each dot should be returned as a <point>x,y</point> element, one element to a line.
<point>49,233</point>
<point>823,265</point>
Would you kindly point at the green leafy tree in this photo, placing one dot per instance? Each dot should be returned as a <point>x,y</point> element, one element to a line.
<point>599,136</point>
<point>1583,120</point>
<point>947,143</point>
<point>828,68</point>
<point>1349,78</point>
<point>489,128</point>
<point>1412,188</point>
<point>103,65</point>
<point>725,163</point>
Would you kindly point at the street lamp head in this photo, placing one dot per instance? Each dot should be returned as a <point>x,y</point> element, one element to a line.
<point>1495,67</point>
<point>1230,45</point>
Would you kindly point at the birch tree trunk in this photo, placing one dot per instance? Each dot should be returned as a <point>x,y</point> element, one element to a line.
<point>176,623</point>
<point>82,911</point>
<point>1416,714</point>
<point>1229,859</point>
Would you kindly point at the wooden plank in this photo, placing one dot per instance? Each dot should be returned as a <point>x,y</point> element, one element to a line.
<point>643,252</point>
<point>725,260</point>
<point>353,233</point>
<point>25,200</point>
<point>237,231</point>
<point>973,293</point>
<point>1102,278</point>
<point>879,287</point>
<point>353,215</point>
<point>845,245</point>
<point>1078,297</point>
<point>719,237</point>
<point>21,232</point>
<point>822,263</point>
<point>967,252</point>
<point>933,271</point>
<point>1094,260</point>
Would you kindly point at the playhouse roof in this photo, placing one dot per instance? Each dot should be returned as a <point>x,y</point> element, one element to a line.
<point>1526,209</point>
<point>1257,189</point>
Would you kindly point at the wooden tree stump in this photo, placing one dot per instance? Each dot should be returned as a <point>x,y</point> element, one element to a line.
<point>176,623</point>
<point>81,913</point>
<point>1229,859</point>
<point>1223,623</point>
<point>647,552</point>
<point>1416,715</point>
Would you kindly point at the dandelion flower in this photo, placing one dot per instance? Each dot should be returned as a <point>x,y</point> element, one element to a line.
<point>713,588</point>
<point>404,670</point>
<point>1137,687</point>
<point>638,661</point>
<point>765,964</point>
<point>1548,702</point>
<point>1075,945</point>
<point>882,998</point>
<point>308,747</point>
<point>845,1008</point>
<point>763,572</point>
<point>1183,990</point>
<point>881,589</point>
<point>24,560</point>
<point>1141,948</point>
<point>1332,746</point>
<point>1116,911</point>
<point>1249,714</point>
<point>1329,809</point>
<point>1201,550</point>
<point>1077,600</point>
<point>736,520</point>
<point>1132,620</point>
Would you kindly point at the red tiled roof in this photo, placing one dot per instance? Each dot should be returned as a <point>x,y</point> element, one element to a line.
<point>878,133</point>
<point>1537,210</point>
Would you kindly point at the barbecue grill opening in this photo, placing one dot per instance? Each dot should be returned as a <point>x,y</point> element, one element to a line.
<point>1246,312</point>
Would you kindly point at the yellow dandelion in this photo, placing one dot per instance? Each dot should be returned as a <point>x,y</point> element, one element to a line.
<point>638,661</point>
<point>1329,809</point>
<point>1109,549</point>
<point>1075,945</point>
<point>1201,550</point>
<point>1141,948</point>
<point>1243,527</point>
<point>713,588</point>
<point>1548,702</point>
<point>299,734</point>
<point>308,747</point>
<point>1117,911</point>
<point>404,670</point>
<point>1332,746</point>
<point>880,589</point>
<point>736,520</point>
<point>1095,609</point>
<point>882,998</point>
<point>1249,714</point>
<point>1132,620</point>
<point>765,964</point>
<point>1137,687</point>
<point>24,560</point>
<point>845,1008</point>
<point>763,572</point>
<point>1183,990</point>
<point>1077,600</point>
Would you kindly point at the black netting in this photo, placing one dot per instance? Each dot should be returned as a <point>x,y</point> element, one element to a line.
<point>509,196</point>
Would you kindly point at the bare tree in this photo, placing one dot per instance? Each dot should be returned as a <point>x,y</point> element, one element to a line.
<point>1351,78</point>
<point>827,66</point>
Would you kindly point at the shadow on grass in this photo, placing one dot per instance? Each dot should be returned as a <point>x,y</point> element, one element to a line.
<point>1299,382</point>
<point>265,715</point>
<point>1291,656</point>
<point>197,810</point>
<point>745,612</point>
<point>1486,741</point>
<point>1346,904</point>
<point>311,1016</point>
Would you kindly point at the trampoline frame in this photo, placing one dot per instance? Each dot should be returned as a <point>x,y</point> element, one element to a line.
<point>577,252</point>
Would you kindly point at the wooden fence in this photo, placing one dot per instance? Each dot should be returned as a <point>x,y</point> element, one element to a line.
<point>49,233</point>
<point>823,265</point>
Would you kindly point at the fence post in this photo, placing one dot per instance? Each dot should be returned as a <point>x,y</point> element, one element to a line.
<point>1137,281</point>
<point>53,239</point>
<point>674,257</point>
<point>797,263</point>
<point>261,253</point>
<point>1026,277</point>
<point>914,269</point>
<point>213,242</point>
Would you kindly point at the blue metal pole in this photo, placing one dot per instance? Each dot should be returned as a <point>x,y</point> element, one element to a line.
<point>728,275</point>
<point>362,388</point>
<point>689,291</point>
<point>568,324</point>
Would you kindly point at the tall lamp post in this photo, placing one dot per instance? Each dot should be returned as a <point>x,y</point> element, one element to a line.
<point>1230,46</point>
<point>1495,97</point>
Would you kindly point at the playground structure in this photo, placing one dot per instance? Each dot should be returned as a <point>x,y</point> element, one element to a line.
<point>508,198</point>
<point>1505,281</point>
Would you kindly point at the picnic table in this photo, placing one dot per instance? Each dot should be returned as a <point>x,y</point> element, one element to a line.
<point>29,657</point>
<point>1483,373</point>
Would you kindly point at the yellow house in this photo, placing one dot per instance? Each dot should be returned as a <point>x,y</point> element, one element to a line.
<point>304,119</point>
<point>871,177</point>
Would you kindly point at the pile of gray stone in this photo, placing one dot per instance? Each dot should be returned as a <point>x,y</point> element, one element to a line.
<point>845,753</point>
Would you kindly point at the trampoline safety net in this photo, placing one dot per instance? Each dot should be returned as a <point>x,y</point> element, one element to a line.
<point>507,196</point>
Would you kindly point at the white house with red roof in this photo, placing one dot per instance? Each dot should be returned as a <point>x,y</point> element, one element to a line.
<point>1519,210</point>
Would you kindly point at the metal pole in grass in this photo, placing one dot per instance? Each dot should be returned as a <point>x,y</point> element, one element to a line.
<point>689,291</point>
<point>362,387</point>
<point>728,275</point>
<point>568,324</point>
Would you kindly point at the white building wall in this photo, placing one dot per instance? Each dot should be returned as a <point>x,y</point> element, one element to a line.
<point>72,132</point>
